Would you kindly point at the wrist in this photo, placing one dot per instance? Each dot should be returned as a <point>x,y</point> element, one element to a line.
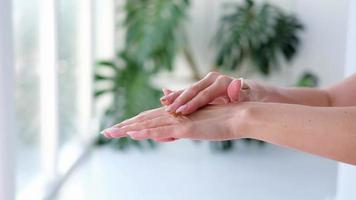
<point>244,120</point>
<point>258,91</point>
<point>263,92</point>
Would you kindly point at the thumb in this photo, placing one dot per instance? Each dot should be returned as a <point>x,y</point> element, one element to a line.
<point>233,90</point>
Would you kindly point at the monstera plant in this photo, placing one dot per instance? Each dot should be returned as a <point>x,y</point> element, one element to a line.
<point>155,36</point>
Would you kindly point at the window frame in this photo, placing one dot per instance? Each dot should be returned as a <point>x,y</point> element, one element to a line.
<point>7,108</point>
<point>55,165</point>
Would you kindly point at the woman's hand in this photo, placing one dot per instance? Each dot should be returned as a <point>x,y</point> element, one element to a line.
<point>213,122</point>
<point>214,88</point>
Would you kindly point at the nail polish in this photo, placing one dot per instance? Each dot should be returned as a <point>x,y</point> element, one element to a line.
<point>169,109</point>
<point>165,91</point>
<point>112,130</point>
<point>164,98</point>
<point>181,109</point>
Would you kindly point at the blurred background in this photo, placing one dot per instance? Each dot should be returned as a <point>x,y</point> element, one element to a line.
<point>82,65</point>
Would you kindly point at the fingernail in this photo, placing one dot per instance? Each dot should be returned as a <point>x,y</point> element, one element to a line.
<point>181,109</point>
<point>164,98</point>
<point>106,134</point>
<point>233,90</point>
<point>169,109</point>
<point>111,130</point>
<point>165,91</point>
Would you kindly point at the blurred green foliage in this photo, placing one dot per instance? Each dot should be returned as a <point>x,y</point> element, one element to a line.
<point>308,79</point>
<point>153,37</point>
<point>154,31</point>
<point>261,34</point>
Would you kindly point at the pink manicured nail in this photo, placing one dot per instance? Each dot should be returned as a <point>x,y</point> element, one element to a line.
<point>112,131</point>
<point>233,90</point>
<point>181,109</point>
<point>164,98</point>
<point>169,109</point>
<point>106,134</point>
<point>166,91</point>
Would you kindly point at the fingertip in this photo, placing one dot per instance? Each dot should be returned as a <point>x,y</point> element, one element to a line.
<point>167,99</point>
<point>106,134</point>
<point>187,111</point>
<point>164,101</point>
<point>182,109</point>
<point>166,91</point>
<point>233,90</point>
<point>114,132</point>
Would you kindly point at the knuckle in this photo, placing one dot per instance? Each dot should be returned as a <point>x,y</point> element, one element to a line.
<point>193,89</point>
<point>222,78</point>
<point>195,85</point>
<point>212,75</point>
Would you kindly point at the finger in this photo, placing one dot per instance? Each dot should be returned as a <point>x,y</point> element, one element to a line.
<point>151,123</point>
<point>171,131</point>
<point>168,99</point>
<point>166,91</point>
<point>150,114</point>
<point>233,90</point>
<point>217,89</point>
<point>220,100</point>
<point>105,134</point>
<point>165,140</point>
<point>192,91</point>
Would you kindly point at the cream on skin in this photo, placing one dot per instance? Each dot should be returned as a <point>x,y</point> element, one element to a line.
<point>318,121</point>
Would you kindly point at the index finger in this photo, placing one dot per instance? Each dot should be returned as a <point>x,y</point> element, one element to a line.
<point>147,115</point>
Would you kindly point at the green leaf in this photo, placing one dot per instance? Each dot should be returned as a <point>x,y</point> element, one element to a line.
<point>107,63</point>
<point>260,33</point>
<point>99,77</point>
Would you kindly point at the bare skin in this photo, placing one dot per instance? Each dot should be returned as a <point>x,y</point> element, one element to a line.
<point>318,121</point>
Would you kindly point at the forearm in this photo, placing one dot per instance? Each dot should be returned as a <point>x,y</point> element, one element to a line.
<point>291,95</point>
<point>328,132</point>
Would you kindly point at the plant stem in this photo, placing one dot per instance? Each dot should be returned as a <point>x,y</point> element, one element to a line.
<point>191,62</point>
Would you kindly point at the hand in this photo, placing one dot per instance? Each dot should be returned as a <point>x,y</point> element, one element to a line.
<point>213,122</point>
<point>214,88</point>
